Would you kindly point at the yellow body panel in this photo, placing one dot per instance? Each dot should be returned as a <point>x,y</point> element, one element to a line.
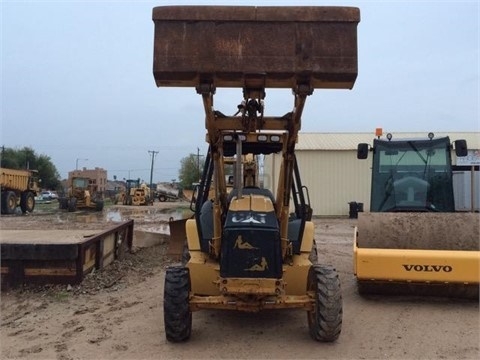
<point>205,277</point>
<point>192,235</point>
<point>255,203</point>
<point>204,274</point>
<point>307,238</point>
<point>427,266</point>
<point>296,274</point>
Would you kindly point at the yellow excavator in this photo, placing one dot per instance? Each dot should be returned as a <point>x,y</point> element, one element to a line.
<point>412,241</point>
<point>247,251</point>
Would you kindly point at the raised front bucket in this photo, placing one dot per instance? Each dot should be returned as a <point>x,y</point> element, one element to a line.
<point>269,47</point>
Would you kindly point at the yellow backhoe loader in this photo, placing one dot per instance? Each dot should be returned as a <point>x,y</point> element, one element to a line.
<point>247,252</point>
<point>135,193</point>
<point>82,194</point>
<point>412,241</point>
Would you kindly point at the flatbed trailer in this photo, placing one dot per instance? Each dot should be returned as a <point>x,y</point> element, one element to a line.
<point>60,256</point>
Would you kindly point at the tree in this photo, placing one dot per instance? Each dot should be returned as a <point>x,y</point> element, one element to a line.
<point>26,158</point>
<point>191,168</point>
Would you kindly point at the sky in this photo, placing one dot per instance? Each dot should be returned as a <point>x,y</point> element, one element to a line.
<point>77,82</point>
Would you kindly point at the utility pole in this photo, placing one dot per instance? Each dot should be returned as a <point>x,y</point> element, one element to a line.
<point>151,168</point>
<point>198,163</point>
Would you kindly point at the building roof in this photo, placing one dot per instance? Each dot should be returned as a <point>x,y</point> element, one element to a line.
<point>349,141</point>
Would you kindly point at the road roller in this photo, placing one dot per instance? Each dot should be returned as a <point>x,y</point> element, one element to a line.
<point>413,241</point>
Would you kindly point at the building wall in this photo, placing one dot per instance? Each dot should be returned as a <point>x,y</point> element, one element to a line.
<point>97,176</point>
<point>466,187</point>
<point>333,179</point>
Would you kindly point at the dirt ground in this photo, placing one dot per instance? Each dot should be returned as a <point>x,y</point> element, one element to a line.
<point>117,312</point>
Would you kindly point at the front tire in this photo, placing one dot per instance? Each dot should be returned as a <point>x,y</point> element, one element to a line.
<point>177,316</point>
<point>72,204</point>
<point>27,202</point>
<point>325,320</point>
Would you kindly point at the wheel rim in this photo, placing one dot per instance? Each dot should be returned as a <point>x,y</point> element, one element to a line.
<point>11,202</point>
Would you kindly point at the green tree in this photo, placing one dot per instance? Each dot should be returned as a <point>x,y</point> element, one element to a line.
<point>26,158</point>
<point>191,168</point>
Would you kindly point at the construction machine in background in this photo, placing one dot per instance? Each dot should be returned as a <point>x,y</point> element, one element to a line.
<point>18,188</point>
<point>81,194</point>
<point>247,252</point>
<point>135,193</point>
<point>164,193</point>
<point>412,241</point>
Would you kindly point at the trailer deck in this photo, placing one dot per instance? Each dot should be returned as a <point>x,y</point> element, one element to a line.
<point>60,256</point>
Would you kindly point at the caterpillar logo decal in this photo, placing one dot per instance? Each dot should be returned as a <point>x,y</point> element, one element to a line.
<point>428,268</point>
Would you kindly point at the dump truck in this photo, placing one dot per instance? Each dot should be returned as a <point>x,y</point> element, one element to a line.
<point>81,195</point>
<point>250,250</point>
<point>18,188</point>
<point>163,193</point>
<point>412,241</point>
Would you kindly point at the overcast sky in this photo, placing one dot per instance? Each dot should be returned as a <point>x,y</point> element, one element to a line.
<point>77,81</point>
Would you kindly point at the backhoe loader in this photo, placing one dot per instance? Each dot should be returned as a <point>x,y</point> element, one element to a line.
<point>247,252</point>
<point>412,241</point>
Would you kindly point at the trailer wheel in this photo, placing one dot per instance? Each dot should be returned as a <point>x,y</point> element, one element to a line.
<point>10,202</point>
<point>27,202</point>
<point>162,198</point>
<point>325,320</point>
<point>176,311</point>
<point>72,204</point>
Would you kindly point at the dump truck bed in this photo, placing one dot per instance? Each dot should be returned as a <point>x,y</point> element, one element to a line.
<point>265,47</point>
<point>14,179</point>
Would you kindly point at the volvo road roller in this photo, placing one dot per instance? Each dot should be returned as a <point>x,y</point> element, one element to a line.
<point>412,241</point>
<point>249,249</point>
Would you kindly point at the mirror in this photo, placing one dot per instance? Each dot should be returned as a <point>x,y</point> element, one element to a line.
<point>461,148</point>
<point>362,151</point>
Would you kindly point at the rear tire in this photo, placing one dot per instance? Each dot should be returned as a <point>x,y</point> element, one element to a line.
<point>10,202</point>
<point>27,202</point>
<point>325,321</point>
<point>99,205</point>
<point>72,204</point>
<point>176,311</point>
<point>62,203</point>
<point>3,202</point>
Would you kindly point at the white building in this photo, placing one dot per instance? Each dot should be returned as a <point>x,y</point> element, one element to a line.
<point>335,177</point>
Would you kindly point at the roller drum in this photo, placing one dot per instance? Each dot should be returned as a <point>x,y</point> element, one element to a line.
<point>425,230</point>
